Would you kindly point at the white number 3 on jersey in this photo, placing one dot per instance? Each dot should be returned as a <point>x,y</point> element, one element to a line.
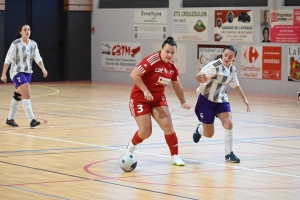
<point>140,108</point>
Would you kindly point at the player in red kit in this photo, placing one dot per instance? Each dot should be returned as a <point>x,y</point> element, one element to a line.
<point>147,98</point>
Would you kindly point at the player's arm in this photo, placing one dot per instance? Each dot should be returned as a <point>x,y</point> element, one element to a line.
<point>236,86</point>
<point>3,76</point>
<point>41,65</point>
<point>8,59</point>
<point>39,61</point>
<point>136,76</point>
<point>240,92</point>
<point>180,94</point>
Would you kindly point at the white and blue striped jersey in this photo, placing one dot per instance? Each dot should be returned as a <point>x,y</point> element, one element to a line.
<point>218,76</point>
<point>20,56</point>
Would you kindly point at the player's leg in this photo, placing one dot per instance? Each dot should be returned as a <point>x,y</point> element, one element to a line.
<point>162,116</point>
<point>226,119</point>
<point>22,81</point>
<point>142,116</point>
<point>14,106</point>
<point>204,110</point>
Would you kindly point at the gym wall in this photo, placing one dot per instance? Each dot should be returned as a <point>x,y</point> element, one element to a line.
<point>116,25</point>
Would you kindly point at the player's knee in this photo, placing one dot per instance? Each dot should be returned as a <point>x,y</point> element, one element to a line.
<point>145,133</point>
<point>167,127</point>
<point>17,96</point>
<point>208,134</point>
<point>228,125</point>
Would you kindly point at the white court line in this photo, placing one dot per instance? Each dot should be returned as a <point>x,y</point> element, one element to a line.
<point>94,108</point>
<point>118,110</point>
<point>75,125</point>
<point>116,102</point>
<point>158,155</point>
<point>125,123</point>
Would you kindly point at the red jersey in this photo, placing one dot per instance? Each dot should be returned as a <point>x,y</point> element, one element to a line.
<point>156,75</point>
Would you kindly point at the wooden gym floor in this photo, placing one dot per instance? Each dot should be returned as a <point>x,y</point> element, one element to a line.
<point>86,127</point>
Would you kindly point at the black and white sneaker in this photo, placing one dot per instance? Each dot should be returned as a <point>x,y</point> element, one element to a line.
<point>197,135</point>
<point>34,123</point>
<point>232,158</point>
<point>11,122</point>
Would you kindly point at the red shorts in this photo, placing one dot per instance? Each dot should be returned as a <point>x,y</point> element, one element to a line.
<point>138,108</point>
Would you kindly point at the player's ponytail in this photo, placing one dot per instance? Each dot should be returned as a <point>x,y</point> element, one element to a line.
<point>218,56</point>
<point>170,41</point>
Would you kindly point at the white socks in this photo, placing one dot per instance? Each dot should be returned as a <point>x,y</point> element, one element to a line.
<point>26,103</point>
<point>14,106</point>
<point>200,129</point>
<point>228,141</point>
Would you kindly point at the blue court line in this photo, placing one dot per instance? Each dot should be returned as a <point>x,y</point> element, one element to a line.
<point>270,145</point>
<point>44,194</point>
<point>273,124</point>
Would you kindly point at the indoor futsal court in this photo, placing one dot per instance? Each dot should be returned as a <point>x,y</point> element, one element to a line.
<point>74,153</point>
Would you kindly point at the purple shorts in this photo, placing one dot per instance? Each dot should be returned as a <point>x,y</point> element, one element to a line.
<point>206,110</point>
<point>21,78</point>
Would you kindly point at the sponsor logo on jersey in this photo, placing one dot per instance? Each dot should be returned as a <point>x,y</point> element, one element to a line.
<point>163,81</point>
<point>161,70</point>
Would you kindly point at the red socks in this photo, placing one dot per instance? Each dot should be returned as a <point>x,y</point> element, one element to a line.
<point>136,139</point>
<point>172,142</point>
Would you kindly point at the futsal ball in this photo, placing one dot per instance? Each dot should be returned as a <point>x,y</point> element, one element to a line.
<point>128,162</point>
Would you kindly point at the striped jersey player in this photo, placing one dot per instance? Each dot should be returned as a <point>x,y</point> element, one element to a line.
<point>213,99</point>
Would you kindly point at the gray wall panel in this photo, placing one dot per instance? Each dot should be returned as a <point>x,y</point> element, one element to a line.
<point>116,25</point>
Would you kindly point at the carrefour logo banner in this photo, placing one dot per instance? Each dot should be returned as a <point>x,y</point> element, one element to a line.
<point>261,62</point>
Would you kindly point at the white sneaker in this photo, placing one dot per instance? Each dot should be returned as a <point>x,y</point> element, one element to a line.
<point>130,148</point>
<point>176,160</point>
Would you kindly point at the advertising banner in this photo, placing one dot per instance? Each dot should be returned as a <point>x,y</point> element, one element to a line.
<point>285,26</point>
<point>293,66</point>
<point>261,62</point>
<point>150,24</point>
<point>120,56</point>
<point>190,25</point>
<point>233,26</point>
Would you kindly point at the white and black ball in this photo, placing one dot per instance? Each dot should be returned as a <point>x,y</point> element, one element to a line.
<point>128,162</point>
